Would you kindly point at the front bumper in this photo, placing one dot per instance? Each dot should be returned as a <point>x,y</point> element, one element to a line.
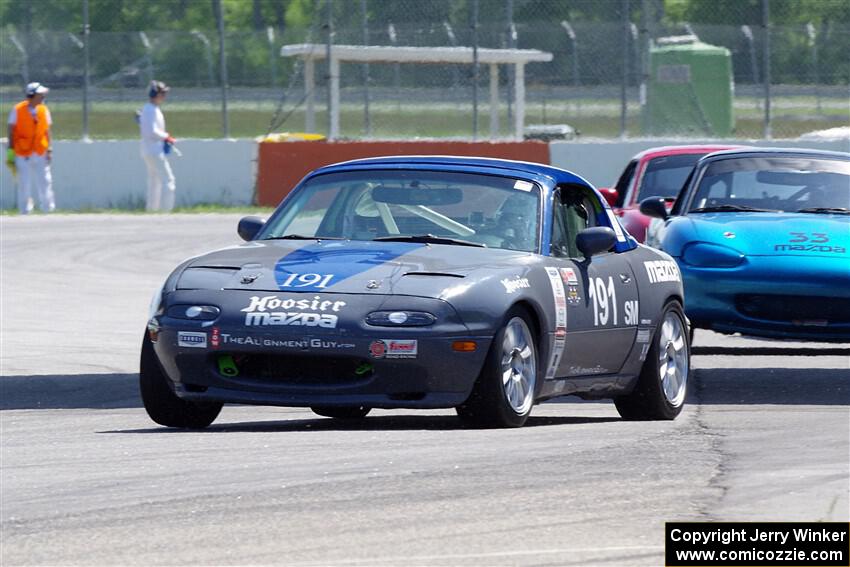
<point>351,364</point>
<point>788,297</point>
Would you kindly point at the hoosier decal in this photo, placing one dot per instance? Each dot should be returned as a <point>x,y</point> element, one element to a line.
<point>261,312</point>
<point>511,285</point>
<point>659,271</point>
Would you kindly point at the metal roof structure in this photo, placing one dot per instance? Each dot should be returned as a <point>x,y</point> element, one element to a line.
<point>311,52</point>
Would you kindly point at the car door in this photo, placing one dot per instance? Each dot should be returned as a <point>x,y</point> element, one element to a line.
<point>601,292</point>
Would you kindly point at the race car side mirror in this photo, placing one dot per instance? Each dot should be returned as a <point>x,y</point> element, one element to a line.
<point>249,227</point>
<point>654,207</point>
<point>595,240</point>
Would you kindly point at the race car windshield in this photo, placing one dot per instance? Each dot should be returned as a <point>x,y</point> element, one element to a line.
<point>773,183</point>
<point>450,208</point>
<point>664,176</point>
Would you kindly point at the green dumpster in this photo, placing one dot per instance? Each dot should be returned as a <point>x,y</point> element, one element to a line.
<point>690,90</point>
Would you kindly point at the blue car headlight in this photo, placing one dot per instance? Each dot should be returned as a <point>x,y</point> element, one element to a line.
<point>705,255</point>
<point>400,319</point>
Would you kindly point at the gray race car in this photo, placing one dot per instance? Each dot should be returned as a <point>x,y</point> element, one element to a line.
<point>422,282</point>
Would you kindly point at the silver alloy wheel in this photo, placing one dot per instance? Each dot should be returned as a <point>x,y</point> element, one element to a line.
<point>518,365</point>
<point>673,359</point>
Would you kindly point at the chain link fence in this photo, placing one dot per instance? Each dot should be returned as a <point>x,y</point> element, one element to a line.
<point>599,81</point>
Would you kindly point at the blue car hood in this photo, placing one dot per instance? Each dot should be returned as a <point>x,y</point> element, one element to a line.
<point>402,268</point>
<point>776,234</point>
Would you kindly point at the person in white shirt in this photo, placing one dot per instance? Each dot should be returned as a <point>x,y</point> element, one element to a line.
<point>155,141</point>
<point>29,150</point>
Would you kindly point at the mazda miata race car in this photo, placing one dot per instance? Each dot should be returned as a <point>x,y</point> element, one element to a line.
<point>422,282</point>
<point>762,237</point>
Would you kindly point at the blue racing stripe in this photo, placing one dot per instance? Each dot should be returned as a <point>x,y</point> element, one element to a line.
<point>318,267</point>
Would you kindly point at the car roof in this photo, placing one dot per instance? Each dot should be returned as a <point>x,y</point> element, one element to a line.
<point>661,151</point>
<point>494,165</point>
<point>789,152</point>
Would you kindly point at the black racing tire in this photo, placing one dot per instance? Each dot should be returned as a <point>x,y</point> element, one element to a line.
<point>504,392</point>
<point>162,404</point>
<point>341,412</point>
<point>662,385</point>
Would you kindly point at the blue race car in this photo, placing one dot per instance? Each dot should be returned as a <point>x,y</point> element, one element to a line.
<point>761,239</point>
<point>422,282</point>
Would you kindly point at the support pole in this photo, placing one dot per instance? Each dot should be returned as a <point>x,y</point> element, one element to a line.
<point>623,98</point>
<point>222,63</point>
<point>474,69</point>
<point>310,94</point>
<point>332,132</point>
<point>494,101</point>
<point>768,127</point>
<point>86,68</point>
<point>367,119</point>
<point>512,37</point>
<point>519,98</point>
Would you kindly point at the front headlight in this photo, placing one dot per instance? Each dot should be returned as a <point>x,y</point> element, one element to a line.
<point>705,255</point>
<point>194,312</point>
<point>400,319</point>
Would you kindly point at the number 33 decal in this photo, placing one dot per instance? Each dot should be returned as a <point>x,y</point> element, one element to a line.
<point>818,237</point>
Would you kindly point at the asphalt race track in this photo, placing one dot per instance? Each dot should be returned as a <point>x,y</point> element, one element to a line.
<point>86,478</point>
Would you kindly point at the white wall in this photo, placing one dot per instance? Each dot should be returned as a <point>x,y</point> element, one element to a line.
<point>602,161</point>
<point>111,173</point>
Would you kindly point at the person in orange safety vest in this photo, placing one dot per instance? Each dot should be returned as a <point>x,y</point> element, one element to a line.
<point>29,149</point>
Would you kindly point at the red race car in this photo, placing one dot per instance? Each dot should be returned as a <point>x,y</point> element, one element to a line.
<point>656,172</point>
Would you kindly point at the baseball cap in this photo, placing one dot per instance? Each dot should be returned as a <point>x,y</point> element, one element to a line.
<point>157,87</point>
<point>36,88</point>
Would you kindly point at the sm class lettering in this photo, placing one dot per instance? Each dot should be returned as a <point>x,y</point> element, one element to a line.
<point>604,297</point>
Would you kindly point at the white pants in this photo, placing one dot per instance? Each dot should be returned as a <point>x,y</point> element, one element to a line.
<point>34,170</point>
<point>159,176</point>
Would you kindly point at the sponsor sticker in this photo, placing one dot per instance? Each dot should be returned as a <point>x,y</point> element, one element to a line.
<point>394,348</point>
<point>568,275</point>
<point>272,310</point>
<point>583,370</point>
<point>191,339</point>
<point>215,337</point>
<point>560,300</point>
<point>523,185</point>
<point>512,285</point>
<point>377,349</point>
<point>305,343</point>
<point>642,336</point>
<point>660,271</point>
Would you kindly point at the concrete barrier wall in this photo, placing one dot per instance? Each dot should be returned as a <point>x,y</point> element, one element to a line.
<point>111,173</point>
<point>104,174</point>
<point>601,162</point>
